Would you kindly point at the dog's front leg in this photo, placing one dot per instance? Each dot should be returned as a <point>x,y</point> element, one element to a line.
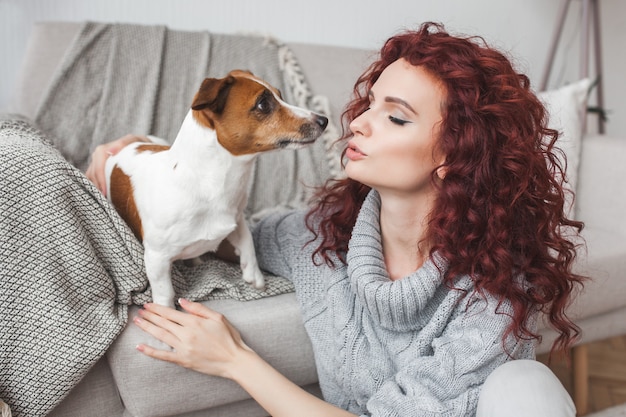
<point>158,269</point>
<point>241,239</point>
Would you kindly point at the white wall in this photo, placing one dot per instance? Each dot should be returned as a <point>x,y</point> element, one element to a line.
<point>523,28</point>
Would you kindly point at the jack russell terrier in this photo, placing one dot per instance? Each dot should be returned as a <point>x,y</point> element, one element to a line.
<point>183,201</point>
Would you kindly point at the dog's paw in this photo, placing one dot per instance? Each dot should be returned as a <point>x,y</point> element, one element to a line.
<point>255,277</point>
<point>259,284</point>
<point>164,301</point>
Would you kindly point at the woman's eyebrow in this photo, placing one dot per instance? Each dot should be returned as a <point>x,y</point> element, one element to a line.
<point>401,102</point>
<point>395,100</point>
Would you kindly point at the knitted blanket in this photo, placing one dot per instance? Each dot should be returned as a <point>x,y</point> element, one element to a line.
<point>69,266</point>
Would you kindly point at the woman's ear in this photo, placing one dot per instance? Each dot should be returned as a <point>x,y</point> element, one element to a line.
<point>441,172</point>
<point>442,169</point>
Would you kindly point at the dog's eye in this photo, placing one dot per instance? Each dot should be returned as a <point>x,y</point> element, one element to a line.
<point>264,104</point>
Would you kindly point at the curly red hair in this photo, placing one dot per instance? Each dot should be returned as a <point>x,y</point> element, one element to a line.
<point>499,214</point>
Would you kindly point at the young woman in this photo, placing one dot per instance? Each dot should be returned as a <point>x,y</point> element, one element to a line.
<point>424,270</point>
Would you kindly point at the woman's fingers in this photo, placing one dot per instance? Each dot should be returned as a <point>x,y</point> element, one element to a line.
<point>199,309</point>
<point>159,328</point>
<point>164,355</point>
<point>95,171</point>
<point>176,327</point>
<point>202,339</point>
<point>165,312</point>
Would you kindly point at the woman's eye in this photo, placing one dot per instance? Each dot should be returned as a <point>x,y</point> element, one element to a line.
<point>397,121</point>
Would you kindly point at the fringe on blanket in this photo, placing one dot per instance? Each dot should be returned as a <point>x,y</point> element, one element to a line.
<point>305,98</point>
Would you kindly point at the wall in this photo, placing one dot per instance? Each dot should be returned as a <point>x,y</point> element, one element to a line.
<point>522,28</point>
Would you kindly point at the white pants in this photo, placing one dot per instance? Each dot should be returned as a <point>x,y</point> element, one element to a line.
<point>524,388</point>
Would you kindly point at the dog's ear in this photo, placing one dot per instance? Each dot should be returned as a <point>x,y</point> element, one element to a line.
<point>240,72</point>
<point>213,94</point>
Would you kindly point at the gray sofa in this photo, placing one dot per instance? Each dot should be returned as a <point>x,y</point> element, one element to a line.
<point>125,383</point>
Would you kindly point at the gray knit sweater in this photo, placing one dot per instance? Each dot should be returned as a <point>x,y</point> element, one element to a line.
<point>404,348</point>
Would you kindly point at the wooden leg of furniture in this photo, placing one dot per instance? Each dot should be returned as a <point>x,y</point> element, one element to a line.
<point>580,356</point>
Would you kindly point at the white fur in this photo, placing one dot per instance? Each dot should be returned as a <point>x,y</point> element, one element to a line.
<point>189,199</point>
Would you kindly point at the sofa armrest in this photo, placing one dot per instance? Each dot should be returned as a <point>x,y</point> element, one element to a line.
<point>601,197</point>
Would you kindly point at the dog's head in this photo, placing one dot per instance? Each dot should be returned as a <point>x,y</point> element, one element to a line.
<point>250,116</point>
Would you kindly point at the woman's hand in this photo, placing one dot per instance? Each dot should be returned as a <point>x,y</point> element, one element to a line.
<point>202,340</point>
<point>95,171</point>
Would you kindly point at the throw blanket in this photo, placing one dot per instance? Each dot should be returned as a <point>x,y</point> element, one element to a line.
<point>69,266</point>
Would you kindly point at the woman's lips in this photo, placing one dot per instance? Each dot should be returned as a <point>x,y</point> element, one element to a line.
<point>353,153</point>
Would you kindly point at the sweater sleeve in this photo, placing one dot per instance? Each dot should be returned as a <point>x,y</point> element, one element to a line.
<point>448,382</point>
<point>279,241</point>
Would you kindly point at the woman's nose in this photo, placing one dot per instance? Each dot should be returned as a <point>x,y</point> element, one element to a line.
<point>359,125</point>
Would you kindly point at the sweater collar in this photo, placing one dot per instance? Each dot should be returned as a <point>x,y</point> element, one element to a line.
<point>399,305</point>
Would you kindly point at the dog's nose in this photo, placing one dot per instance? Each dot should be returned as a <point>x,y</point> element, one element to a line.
<point>322,121</point>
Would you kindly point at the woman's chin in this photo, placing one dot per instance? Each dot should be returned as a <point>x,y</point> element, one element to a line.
<point>355,174</point>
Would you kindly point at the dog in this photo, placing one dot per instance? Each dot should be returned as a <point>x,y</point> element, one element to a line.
<point>183,200</point>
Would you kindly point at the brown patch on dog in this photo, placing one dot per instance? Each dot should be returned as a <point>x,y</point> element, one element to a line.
<point>122,198</point>
<point>248,116</point>
<point>151,147</point>
<point>121,190</point>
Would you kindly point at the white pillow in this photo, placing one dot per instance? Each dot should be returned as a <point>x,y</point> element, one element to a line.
<point>566,108</point>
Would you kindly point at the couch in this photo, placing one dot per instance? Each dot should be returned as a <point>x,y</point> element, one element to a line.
<point>125,383</point>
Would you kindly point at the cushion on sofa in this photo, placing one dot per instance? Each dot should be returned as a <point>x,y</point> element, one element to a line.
<point>566,108</point>
<point>599,308</point>
<point>603,259</point>
<point>93,397</point>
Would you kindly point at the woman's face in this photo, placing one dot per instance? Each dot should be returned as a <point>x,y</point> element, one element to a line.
<point>393,143</point>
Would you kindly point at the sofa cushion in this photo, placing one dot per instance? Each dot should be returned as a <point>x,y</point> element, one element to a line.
<point>603,260</point>
<point>245,408</point>
<point>598,309</point>
<point>271,326</point>
<point>566,108</point>
<point>333,81</point>
<point>94,396</point>
<point>601,200</point>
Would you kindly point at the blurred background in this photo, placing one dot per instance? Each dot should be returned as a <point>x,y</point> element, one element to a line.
<point>523,29</point>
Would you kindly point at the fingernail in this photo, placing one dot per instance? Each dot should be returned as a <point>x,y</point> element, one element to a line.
<point>139,348</point>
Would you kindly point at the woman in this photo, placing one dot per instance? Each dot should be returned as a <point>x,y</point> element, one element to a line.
<point>425,269</point>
